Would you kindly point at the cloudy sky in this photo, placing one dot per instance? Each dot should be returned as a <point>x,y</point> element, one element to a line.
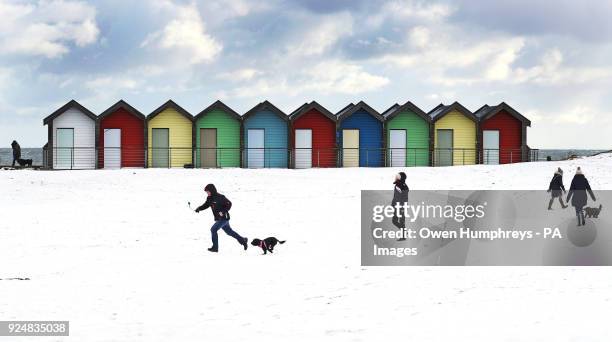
<point>550,60</point>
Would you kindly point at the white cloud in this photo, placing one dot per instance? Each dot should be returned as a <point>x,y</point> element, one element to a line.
<point>341,77</point>
<point>46,28</point>
<point>5,75</point>
<point>321,34</point>
<point>244,74</point>
<point>221,10</point>
<point>456,58</point>
<point>403,11</point>
<point>329,77</point>
<point>406,9</point>
<point>551,71</point>
<point>105,83</point>
<point>419,36</point>
<point>186,34</point>
<point>579,115</point>
<point>485,60</point>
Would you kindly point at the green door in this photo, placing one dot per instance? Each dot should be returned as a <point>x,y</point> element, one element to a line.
<point>227,139</point>
<point>415,149</point>
<point>208,147</point>
<point>161,150</point>
<point>444,152</point>
<point>64,152</point>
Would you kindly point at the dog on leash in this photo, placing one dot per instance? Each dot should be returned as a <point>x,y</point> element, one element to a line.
<point>592,212</point>
<point>24,162</point>
<point>267,244</point>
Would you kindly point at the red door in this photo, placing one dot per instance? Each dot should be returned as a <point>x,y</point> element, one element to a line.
<point>323,137</point>
<point>132,137</point>
<point>510,131</point>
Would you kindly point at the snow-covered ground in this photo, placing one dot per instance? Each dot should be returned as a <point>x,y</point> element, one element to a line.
<point>120,255</point>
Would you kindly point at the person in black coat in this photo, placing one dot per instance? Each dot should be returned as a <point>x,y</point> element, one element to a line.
<point>578,194</point>
<point>556,189</point>
<point>16,151</point>
<point>400,196</point>
<point>220,206</point>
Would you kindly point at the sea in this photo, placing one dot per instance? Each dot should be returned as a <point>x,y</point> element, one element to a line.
<point>36,154</point>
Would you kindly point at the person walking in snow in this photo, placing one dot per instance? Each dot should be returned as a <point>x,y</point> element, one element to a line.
<point>400,197</point>
<point>578,194</point>
<point>220,206</point>
<point>16,151</point>
<point>556,189</point>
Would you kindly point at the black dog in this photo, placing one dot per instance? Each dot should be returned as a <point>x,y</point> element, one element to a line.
<point>25,162</point>
<point>267,245</point>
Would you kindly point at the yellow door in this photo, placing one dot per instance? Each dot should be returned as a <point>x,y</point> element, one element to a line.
<point>350,147</point>
<point>463,151</point>
<point>179,129</point>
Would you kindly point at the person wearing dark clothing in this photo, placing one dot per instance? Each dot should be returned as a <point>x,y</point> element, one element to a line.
<point>220,206</point>
<point>16,151</point>
<point>556,189</point>
<point>400,196</point>
<point>578,194</point>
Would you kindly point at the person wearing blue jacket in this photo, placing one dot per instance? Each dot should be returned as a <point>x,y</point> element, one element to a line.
<point>220,206</point>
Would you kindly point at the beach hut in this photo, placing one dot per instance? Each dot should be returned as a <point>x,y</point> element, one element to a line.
<point>408,139</point>
<point>360,135</point>
<point>454,131</point>
<point>265,134</point>
<point>312,136</point>
<point>169,137</point>
<point>121,137</point>
<point>71,137</point>
<point>502,134</point>
<point>217,131</point>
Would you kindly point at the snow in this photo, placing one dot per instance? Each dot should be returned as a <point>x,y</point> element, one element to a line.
<point>120,255</point>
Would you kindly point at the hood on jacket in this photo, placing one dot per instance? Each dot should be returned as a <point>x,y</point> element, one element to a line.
<point>211,188</point>
<point>400,178</point>
<point>559,171</point>
<point>579,171</point>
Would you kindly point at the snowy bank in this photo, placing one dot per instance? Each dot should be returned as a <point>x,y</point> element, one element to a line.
<point>120,255</point>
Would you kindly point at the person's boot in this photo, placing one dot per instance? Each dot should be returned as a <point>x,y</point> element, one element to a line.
<point>550,204</point>
<point>562,205</point>
<point>582,216</point>
<point>245,243</point>
<point>402,238</point>
<point>213,249</point>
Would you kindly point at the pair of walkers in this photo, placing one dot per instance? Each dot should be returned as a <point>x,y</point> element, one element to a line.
<point>577,193</point>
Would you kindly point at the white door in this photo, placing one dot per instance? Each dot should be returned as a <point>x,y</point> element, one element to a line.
<point>490,144</point>
<point>112,148</point>
<point>256,148</point>
<point>397,147</point>
<point>303,148</point>
<point>64,149</point>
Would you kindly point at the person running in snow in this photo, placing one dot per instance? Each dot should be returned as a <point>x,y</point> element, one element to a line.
<point>400,196</point>
<point>220,206</point>
<point>555,188</point>
<point>578,193</point>
<point>16,151</point>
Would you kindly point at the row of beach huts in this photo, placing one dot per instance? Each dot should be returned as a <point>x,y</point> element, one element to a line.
<point>264,136</point>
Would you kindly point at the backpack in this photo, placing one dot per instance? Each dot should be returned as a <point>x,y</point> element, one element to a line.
<point>227,204</point>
